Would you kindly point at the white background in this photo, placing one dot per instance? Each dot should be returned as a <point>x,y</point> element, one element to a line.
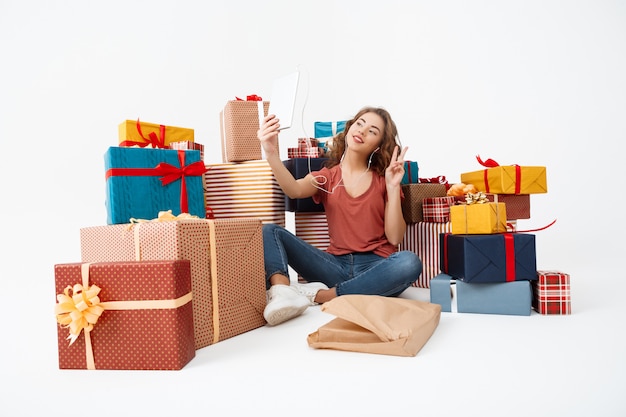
<point>529,83</point>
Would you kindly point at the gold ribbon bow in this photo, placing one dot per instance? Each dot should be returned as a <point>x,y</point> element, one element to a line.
<point>78,308</point>
<point>165,216</point>
<point>476,198</point>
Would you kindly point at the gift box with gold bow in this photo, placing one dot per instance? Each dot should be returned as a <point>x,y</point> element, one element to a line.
<point>239,123</point>
<point>142,182</point>
<point>125,315</point>
<point>227,268</point>
<point>133,133</point>
<point>511,179</point>
<point>478,216</point>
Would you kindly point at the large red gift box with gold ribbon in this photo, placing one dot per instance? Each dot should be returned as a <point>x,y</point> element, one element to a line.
<point>227,267</point>
<point>142,182</point>
<point>143,134</point>
<point>125,315</point>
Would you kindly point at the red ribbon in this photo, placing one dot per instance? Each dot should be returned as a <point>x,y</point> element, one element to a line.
<point>168,173</point>
<point>509,251</point>
<point>154,140</point>
<point>490,163</point>
<point>441,179</point>
<point>252,97</point>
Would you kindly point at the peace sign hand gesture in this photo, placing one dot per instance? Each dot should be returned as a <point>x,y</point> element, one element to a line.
<point>395,171</point>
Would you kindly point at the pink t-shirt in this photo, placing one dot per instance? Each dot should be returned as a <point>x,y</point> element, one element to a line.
<point>354,224</point>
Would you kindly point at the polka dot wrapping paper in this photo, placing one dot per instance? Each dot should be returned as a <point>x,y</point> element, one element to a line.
<point>227,267</point>
<point>132,339</point>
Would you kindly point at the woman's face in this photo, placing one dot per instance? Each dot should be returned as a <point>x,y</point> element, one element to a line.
<point>366,133</point>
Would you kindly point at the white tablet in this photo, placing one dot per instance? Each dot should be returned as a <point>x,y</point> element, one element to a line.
<point>283,98</point>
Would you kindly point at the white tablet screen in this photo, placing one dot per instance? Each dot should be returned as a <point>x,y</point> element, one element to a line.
<point>283,98</point>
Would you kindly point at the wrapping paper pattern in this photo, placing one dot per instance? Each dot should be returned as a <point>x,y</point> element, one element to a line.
<point>552,293</point>
<point>145,195</point>
<point>187,145</point>
<point>148,339</point>
<point>411,173</point>
<point>423,239</point>
<point>246,189</point>
<point>226,265</point>
<point>437,209</point>
<point>127,132</point>
<point>414,194</point>
<point>312,228</point>
<point>239,122</point>
<point>328,129</point>
<point>517,205</point>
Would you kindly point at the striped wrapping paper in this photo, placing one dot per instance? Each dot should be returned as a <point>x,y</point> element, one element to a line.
<point>245,189</point>
<point>187,145</point>
<point>551,293</point>
<point>312,228</point>
<point>423,239</point>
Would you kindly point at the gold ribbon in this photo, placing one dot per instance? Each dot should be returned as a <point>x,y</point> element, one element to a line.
<point>476,198</point>
<point>82,310</point>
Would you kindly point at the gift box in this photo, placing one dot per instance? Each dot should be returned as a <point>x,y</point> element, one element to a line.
<point>312,227</point>
<point>187,145</point>
<point>142,134</point>
<point>411,173</point>
<point>488,258</point>
<point>239,123</point>
<point>142,182</point>
<point>512,179</point>
<point>517,205</point>
<point>300,168</point>
<point>312,152</point>
<point>423,239</point>
<point>227,267</point>
<point>414,194</point>
<point>478,218</point>
<point>125,315</point>
<point>552,293</point>
<point>328,129</point>
<point>245,189</point>
<point>509,298</point>
<point>437,209</point>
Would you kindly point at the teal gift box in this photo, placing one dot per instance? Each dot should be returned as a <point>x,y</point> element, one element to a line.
<point>509,298</point>
<point>328,129</point>
<point>411,171</point>
<point>141,182</point>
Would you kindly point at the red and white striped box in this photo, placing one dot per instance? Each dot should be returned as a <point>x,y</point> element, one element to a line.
<point>423,239</point>
<point>312,227</point>
<point>243,189</point>
<point>437,209</point>
<point>187,145</point>
<point>551,293</point>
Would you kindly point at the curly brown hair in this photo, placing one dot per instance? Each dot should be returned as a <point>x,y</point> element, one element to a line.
<point>380,159</point>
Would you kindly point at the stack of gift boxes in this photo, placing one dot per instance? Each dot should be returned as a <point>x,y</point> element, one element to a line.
<point>473,243</point>
<point>178,265</point>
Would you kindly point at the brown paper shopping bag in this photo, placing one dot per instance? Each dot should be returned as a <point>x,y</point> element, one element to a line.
<point>377,324</point>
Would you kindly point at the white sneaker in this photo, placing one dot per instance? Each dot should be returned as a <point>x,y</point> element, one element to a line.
<point>283,303</point>
<point>309,290</point>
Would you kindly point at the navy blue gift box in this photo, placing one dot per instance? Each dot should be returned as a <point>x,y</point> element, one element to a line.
<point>498,257</point>
<point>299,168</point>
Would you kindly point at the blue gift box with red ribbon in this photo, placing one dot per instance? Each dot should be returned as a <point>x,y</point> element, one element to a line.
<point>498,257</point>
<point>141,182</point>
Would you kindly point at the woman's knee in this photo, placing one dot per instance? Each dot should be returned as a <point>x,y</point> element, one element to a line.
<point>410,264</point>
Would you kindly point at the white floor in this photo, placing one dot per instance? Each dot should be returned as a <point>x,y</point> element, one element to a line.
<point>474,365</point>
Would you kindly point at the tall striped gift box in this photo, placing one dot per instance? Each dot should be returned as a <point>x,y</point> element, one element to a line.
<point>551,293</point>
<point>423,239</point>
<point>245,189</point>
<point>312,227</point>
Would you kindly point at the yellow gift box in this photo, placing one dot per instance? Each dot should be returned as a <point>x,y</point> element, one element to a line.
<point>508,180</point>
<point>143,134</point>
<point>474,219</point>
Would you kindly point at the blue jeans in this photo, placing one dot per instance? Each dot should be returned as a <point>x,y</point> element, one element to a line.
<point>357,273</point>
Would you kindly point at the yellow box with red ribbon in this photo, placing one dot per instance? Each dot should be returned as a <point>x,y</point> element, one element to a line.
<point>510,179</point>
<point>133,133</point>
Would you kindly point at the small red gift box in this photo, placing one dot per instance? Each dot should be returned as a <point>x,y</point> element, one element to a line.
<point>551,293</point>
<point>125,315</point>
<point>437,209</point>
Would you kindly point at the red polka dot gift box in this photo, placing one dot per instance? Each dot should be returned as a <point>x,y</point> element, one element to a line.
<point>227,267</point>
<point>124,315</point>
